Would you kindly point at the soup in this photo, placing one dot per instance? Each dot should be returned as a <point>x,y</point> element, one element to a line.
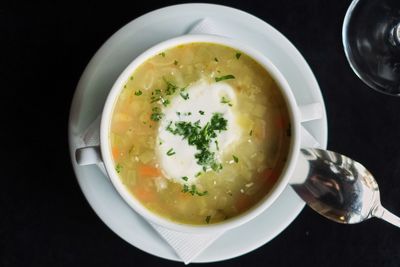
<point>200,133</point>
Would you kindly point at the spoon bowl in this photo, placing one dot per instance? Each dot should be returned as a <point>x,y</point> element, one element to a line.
<point>339,188</point>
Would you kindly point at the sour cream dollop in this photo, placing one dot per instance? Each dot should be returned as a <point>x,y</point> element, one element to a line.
<point>198,103</point>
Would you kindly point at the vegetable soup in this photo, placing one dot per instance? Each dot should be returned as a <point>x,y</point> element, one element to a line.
<point>200,133</point>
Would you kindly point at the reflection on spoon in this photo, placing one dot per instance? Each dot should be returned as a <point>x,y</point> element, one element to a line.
<point>339,188</point>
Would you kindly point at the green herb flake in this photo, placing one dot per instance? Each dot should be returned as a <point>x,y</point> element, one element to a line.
<point>238,55</point>
<point>157,114</point>
<point>216,59</point>
<point>201,112</point>
<point>235,158</point>
<point>175,62</point>
<point>226,77</point>
<point>200,194</point>
<point>165,102</point>
<point>171,152</point>
<point>225,100</point>
<point>197,174</point>
<point>162,54</point>
<point>184,96</point>
<point>171,88</point>
<point>138,93</point>
<point>251,133</point>
<point>118,168</point>
<point>216,144</point>
<point>208,218</point>
<point>131,78</point>
<point>193,190</point>
<point>185,178</point>
<point>185,188</point>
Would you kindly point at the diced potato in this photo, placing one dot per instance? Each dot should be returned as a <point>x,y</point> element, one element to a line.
<point>146,156</point>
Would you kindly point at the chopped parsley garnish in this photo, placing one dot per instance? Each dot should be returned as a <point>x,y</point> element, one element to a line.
<point>185,178</point>
<point>155,96</point>
<point>183,113</point>
<point>193,190</point>
<point>138,93</point>
<point>171,152</point>
<point>216,144</point>
<point>175,62</point>
<point>185,96</point>
<point>118,168</point>
<point>185,188</point>
<point>238,55</point>
<point>171,88</point>
<point>208,218</point>
<point>251,132</point>
<point>165,102</point>
<point>225,100</point>
<point>162,54</point>
<point>157,114</point>
<point>201,138</point>
<point>235,158</point>
<point>216,59</point>
<point>201,112</point>
<point>131,78</point>
<point>226,77</point>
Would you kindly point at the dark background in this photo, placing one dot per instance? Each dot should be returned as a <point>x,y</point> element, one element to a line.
<point>46,221</point>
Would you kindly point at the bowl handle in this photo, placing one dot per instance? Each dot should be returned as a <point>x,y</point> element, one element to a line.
<point>88,155</point>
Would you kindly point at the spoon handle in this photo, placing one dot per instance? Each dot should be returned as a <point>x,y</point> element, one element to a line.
<point>384,214</point>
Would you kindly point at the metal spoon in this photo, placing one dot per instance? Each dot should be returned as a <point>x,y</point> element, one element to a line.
<point>339,188</point>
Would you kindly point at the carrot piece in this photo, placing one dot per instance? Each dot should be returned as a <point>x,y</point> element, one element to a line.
<point>144,194</point>
<point>147,170</point>
<point>115,153</point>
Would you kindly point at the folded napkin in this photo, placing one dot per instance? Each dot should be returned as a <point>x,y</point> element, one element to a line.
<point>187,246</point>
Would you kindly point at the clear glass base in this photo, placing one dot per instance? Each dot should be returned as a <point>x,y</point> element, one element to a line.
<point>371,39</point>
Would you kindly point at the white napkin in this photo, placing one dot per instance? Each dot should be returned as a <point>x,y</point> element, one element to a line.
<point>187,246</point>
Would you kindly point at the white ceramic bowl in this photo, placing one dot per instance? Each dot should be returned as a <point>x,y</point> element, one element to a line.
<point>264,203</point>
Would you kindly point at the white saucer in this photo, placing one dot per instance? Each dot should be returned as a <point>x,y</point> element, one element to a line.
<point>117,53</point>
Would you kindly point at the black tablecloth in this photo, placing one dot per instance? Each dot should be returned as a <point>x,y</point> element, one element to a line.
<point>45,219</point>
